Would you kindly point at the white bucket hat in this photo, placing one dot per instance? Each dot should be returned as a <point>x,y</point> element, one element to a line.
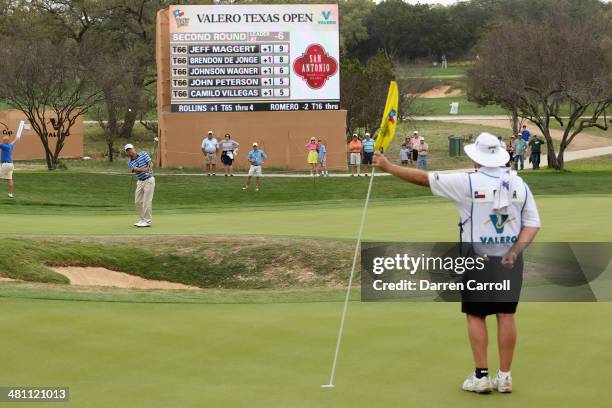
<point>487,151</point>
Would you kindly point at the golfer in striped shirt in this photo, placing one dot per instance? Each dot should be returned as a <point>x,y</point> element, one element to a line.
<point>141,165</point>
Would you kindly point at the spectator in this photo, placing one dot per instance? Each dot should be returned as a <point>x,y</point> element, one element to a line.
<point>526,134</point>
<point>416,143</point>
<point>256,157</point>
<point>229,147</point>
<point>6,166</point>
<point>355,155</point>
<point>519,148</point>
<point>404,154</point>
<point>210,146</point>
<point>408,143</point>
<point>535,147</point>
<point>444,61</point>
<point>323,158</point>
<point>313,155</point>
<point>510,151</point>
<point>422,158</point>
<point>368,153</point>
<point>141,165</point>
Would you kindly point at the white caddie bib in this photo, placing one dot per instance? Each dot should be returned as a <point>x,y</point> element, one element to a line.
<point>493,232</point>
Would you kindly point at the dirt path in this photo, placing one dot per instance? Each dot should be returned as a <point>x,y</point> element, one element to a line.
<point>105,277</point>
<point>581,142</point>
<point>440,92</point>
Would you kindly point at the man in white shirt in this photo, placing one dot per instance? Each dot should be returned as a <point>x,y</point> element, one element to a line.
<point>416,143</point>
<point>210,146</point>
<point>499,219</point>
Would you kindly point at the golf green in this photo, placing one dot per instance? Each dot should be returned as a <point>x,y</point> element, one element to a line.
<point>277,355</point>
<point>564,218</point>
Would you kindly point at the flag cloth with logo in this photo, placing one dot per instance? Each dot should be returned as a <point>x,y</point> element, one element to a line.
<point>389,119</point>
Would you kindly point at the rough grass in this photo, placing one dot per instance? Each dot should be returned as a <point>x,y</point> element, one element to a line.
<point>236,263</point>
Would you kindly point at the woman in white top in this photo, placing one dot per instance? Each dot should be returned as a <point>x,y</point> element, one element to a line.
<point>229,148</point>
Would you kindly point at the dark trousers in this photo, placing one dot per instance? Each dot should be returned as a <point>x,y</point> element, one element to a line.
<point>535,160</point>
<point>519,158</point>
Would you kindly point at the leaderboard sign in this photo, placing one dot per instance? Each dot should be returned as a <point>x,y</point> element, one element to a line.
<point>254,58</point>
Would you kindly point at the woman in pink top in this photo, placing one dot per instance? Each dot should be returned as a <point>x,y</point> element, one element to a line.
<point>313,155</point>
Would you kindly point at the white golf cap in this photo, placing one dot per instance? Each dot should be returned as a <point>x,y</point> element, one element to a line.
<point>255,144</point>
<point>416,132</point>
<point>210,132</point>
<point>367,134</point>
<point>487,151</point>
<point>128,147</point>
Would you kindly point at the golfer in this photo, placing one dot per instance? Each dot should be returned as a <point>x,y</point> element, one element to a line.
<point>210,146</point>
<point>7,166</point>
<point>141,165</point>
<point>495,206</point>
<point>256,157</point>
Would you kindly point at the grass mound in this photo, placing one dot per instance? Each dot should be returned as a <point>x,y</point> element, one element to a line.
<point>228,263</point>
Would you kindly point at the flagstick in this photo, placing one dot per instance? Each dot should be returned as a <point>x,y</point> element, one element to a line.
<point>350,284</point>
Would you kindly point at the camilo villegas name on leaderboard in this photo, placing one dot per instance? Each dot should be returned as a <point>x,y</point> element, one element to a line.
<point>425,285</point>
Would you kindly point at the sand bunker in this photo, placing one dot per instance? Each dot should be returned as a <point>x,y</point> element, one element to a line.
<point>440,92</point>
<point>3,279</point>
<point>89,276</point>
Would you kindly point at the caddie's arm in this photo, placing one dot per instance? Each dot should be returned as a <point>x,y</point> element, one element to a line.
<point>526,237</point>
<point>414,176</point>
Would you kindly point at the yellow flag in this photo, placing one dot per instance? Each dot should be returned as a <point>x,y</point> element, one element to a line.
<point>389,119</point>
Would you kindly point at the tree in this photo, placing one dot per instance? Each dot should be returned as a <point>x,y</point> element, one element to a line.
<point>556,71</point>
<point>38,74</point>
<point>363,91</point>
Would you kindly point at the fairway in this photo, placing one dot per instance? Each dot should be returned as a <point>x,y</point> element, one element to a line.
<point>277,355</point>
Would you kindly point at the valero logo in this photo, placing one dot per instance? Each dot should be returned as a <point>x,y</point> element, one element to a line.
<point>327,18</point>
<point>315,66</point>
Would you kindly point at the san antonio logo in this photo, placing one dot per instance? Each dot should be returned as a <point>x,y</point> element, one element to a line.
<point>315,66</point>
<point>181,20</point>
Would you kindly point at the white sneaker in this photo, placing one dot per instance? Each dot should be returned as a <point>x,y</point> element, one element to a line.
<point>141,224</point>
<point>480,385</point>
<point>502,383</point>
<point>10,195</point>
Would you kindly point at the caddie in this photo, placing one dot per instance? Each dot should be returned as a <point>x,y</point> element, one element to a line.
<point>498,220</point>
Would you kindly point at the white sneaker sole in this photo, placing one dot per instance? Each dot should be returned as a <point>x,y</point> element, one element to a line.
<point>483,391</point>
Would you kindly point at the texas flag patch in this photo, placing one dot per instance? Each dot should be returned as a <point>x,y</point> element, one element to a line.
<point>483,194</point>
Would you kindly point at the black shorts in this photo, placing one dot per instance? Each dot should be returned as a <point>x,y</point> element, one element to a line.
<point>415,154</point>
<point>490,302</point>
<point>226,160</point>
<point>367,157</point>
